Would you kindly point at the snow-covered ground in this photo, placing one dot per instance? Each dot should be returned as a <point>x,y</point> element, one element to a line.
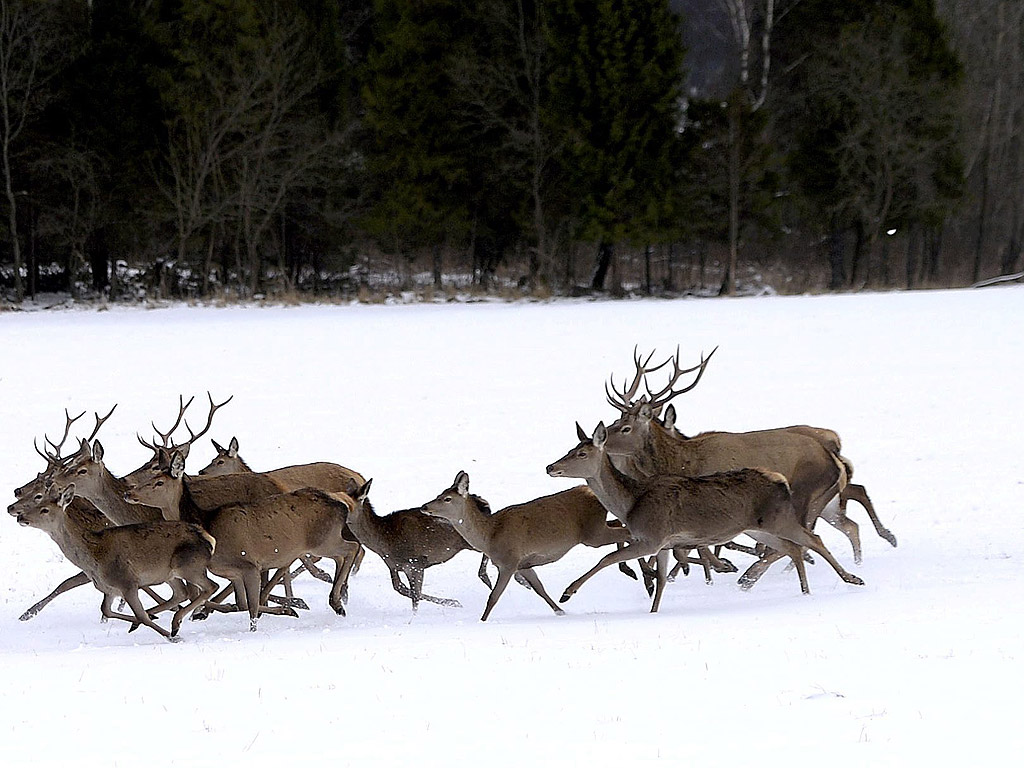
<point>922,665</point>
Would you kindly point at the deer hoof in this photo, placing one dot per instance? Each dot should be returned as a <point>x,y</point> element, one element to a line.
<point>133,627</point>
<point>451,603</point>
<point>252,625</point>
<point>889,537</point>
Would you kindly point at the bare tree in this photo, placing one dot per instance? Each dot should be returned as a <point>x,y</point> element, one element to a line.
<point>33,49</point>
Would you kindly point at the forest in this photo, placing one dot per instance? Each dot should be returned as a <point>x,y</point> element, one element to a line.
<point>362,149</point>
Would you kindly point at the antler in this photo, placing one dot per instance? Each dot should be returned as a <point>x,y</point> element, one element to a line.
<point>165,437</point>
<point>667,393</point>
<point>99,422</point>
<point>624,399</point>
<point>209,420</point>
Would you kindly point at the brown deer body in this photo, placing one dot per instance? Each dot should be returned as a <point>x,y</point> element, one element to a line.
<point>320,474</point>
<point>675,511</point>
<point>409,541</point>
<point>520,537</point>
<point>267,533</point>
<point>120,560</point>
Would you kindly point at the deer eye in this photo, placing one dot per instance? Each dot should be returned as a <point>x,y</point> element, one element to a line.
<point>581,455</point>
<point>82,471</point>
<point>626,430</point>
<point>39,497</point>
<point>159,483</point>
<point>447,499</point>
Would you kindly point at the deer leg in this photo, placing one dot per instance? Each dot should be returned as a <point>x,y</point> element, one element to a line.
<point>855,492</point>
<point>107,611</point>
<point>397,584</point>
<point>531,576</point>
<point>628,552</point>
<point>504,577</point>
<point>341,569</point>
<point>207,587</point>
<point>416,585</point>
<point>131,596</point>
<point>836,517</point>
<point>251,589</point>
<point>309,565</point>
<point>285,575</point>
<point>482,573</point>
<point>758,567</point>
<point>662,559</point>
<point>805,538</point>
<point>70,583</point>
<point>705,560</point>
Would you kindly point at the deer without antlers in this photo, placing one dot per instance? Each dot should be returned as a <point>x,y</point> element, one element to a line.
<point>409,541</point>
<point>119,560</point>
<point>520,537</point>
<point>671,511</point>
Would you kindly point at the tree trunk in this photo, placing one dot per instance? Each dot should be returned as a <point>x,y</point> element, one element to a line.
<point>438,272</point>
<point>605,254</point>
<point>836,258</point>
<point>735,131</point>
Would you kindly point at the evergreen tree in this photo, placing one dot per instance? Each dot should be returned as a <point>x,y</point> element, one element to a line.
<point>620,91</point>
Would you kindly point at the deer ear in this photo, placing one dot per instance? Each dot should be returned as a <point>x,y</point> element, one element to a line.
<point>97,450</point>
<point>364,490</point>
<point>218,447</point>
<point>670,417</point>
<point>183,450</point>
<point>177,465</point>
<point>66,496</point>
<point>462,483</point>
<point>600,435</point>
<point>233,447</point>
<point>646,412</point>
<point>581,434</point>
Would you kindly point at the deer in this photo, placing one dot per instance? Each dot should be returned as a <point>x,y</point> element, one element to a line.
<point>640,446</point>
<point>263,534</point>
<point>523,536</point>
<point>410,541</point>
<point>669,511</point>
<point>321,474</point>
<point>120,560</point>
<point>59,467</point>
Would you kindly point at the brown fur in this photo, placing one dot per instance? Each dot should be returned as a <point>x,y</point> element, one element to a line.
<point>520,537</point>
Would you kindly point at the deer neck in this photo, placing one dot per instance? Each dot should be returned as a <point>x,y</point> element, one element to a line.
<point>77,539</point>
<point>111,500</point>
<point>367,525</point>
<point>666,454</point>
<point>474,525</point>
<point>187,510</point>
<point>615,490</point>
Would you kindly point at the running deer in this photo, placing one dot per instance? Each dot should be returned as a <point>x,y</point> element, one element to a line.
<point>642,447</point>
<point>120,560</point>
<point>320,474</point>
<point>670,511</point>
<point>263,534</point>
<point>58,467</point>
<point>523,536</point>
<point>410,541</point>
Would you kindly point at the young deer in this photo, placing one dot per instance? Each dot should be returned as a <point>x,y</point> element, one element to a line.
<point>267,533</point>
<point>321,474</point>
<point>523,536</point>
<point>672,511</point>
<point>120,560</point>
<point>410,541</point>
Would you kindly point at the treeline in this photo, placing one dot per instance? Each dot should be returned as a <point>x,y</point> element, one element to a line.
<point>243,147</point>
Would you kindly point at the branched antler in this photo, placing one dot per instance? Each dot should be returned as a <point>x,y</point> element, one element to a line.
<point>657,400</point>
<point>624,399</point>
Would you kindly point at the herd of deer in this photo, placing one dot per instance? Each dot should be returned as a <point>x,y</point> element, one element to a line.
<point>669,494</point>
